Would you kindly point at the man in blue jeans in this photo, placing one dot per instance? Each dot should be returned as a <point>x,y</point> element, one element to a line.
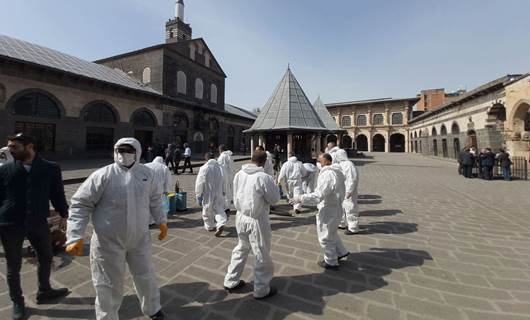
<point>504,162</point>
<point>28,184</point>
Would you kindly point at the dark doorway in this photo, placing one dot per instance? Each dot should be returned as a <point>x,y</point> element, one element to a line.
<point>397,142</point>
<point>44,134</point>
<point>456,147</point>
<point>416,146</point>
<point>346,142</point>
<point>378,143</point>
<point>361,143</point>
<point>472,138</point>
<point>435,147</point>
<point>145,137</point>
<point>445,152</point>
<point>302,147</point>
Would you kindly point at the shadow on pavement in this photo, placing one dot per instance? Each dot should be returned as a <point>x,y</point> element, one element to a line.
<point>379,213</point>
<point>388,227</point>
<point>369,199</point>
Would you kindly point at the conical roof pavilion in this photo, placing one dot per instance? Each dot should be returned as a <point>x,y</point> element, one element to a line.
<point>288,109</point>
<point>325,116</point>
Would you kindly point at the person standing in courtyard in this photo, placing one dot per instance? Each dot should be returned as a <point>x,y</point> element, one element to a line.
<point>255,192</point>
<point>119,199</point>
<point>27,186</point>
<point>169,154</point>
<point>328,197</point>
<point>468,161</point>
<point>226,162</point>
<point>187,158</point>
<point>290,176</point>
<point>350,215</point>
<point>309,179</point>
<point>177,157</point>
<point>504,162</point>
<point>331,149</point>
<point>209,190</point>
<point>162,179</point>
<point>269,166</point>
<point>488,161</point>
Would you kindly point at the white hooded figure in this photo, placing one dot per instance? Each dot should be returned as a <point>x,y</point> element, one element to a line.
<point>350,217</point>
<point>328,197</point>
<point>309,180</point>
<point>226,162</point>
<point>119,199</point>
<point>269,165</point>
<point>291,177</point>
<point>5,156</point>
<point>254,193</point>
<point>209,190</point>
<point>162,177</point>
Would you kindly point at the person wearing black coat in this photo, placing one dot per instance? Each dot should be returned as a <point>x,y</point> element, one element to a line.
<point>177,157</point>
<point>27,185</point>
<point>488,161</point>
<point>468,161</point>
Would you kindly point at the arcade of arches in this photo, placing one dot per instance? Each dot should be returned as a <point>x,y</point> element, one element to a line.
<point>378,142</point>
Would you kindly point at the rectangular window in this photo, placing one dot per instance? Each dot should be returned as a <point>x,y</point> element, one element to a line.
<point>44,134</point>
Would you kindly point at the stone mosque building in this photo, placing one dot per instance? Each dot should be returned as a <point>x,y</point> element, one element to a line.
<point>169,93</point>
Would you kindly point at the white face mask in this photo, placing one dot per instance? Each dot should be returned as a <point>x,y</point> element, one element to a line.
<point>125,159</point>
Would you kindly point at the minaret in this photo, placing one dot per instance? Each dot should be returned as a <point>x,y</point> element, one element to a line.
<point>176,29</point>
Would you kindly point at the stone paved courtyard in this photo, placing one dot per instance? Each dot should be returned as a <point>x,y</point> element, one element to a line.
<point>433,246</point>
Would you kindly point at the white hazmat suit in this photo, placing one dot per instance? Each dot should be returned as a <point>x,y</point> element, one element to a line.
<point>328,197</point>
<point>350,217</point>
<point>291,176</point>
<point>119,201</point>
<point>162,177</point>
<point>255,192</point>
<point>226,162</point>
<point>5,156</point>
<point>269,166</point>
<point>309,180</point>
<point>332,152</point>
<point>209,187</point>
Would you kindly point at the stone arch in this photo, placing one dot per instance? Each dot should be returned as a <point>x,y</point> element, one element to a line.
<point>331,138</point>
<point>378,143</point>
<point>143,117</point>
<point>346,142</point>
<point>397,142</point>
<point>520,116</point>
<point>35,102</point>
<point>361,143</point>
<point>415,134</point>
<point>182,81</point>
<point>455,129</point>
<point>146,75</point>
<point>443,130</point>
<point>99,111</point>
<point>434,133</point>
<point>198,137</point>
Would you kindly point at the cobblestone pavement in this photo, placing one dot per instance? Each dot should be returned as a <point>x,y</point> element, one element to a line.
<point>433,246</point>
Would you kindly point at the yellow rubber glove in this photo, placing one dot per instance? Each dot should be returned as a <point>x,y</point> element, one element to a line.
<point>163,231</point>
<point>75,249</point>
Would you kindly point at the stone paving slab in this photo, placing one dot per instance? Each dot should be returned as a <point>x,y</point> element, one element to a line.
<point>433,245</point>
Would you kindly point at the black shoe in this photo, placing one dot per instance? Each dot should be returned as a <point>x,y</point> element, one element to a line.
<point>349,232</point>
<point>219,231</point>
<point>343,228</point>
<point>158,316</point>
<point>344,256</point>
<point>239,285</point>
<point>19,311</point>
<point>297,211</point>
<point>51,294</point>
<point>272,291</point>
<point>227,211</point>
<point>326,266</point>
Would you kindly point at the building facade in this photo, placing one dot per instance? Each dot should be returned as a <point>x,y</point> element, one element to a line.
<point>494,115</point>
<point>169,93</point>
<point>378,125</point>
<point>431,99</point>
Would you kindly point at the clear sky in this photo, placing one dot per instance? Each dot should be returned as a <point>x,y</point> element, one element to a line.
<point>341,49</point>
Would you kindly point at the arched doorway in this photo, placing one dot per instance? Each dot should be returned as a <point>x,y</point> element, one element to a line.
<point>361,143</point>
<point>36,113</point>
<point>144,122</point>
<point>100,118</point>
<point>521,118</point>
<point>378,143</point>
<point>472,138</point>
<point>198,143</point>
<point>346,142</point>
<point>331,138</point>
<point>397,142</point>
<point>416,146</point>
<point>435,147</point>
<point>456,148</point>
<point>445,152</point>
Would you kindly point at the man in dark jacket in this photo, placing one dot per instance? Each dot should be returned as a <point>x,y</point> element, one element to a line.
<point>504,162</point>
<point>26,187</point>
<point>177,157</point>
<point>468,160</point>
<point>488,161</point>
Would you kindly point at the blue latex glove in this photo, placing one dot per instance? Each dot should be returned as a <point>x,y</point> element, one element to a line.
<point>199,200</point>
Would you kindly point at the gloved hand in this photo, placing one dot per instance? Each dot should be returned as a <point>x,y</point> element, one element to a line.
<point>295,199</point>
<point>348,195</point>
<point>163,231</point>
<point>75,249</point>
<point>199,200</point>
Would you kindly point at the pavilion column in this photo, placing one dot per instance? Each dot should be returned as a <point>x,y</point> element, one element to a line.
<point>260,141</point>
<point>251,145</point>
<point>289,143</point>
<point>318,142</point>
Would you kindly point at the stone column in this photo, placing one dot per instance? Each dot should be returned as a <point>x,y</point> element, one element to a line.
<point>260,140</point>
<point>387,142</point>
<point>407,142</point>
<point>251,145</point>
<point>289,143</point>
<point>370,142</point>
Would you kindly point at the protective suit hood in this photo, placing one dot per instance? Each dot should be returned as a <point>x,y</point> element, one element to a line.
<point>341,155</point>
<point>293,159</point>
<point>251,168</point>
<point>158,159</point>
<point>309,167</point>
<point>228,152</point>
<point>7,154</point>
<point>132,142</point>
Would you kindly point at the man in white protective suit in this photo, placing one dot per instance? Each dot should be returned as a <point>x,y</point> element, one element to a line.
<point>328,196</point>
<point>162,177</point>
<point>309,180</point>
<point>209,190</point>
<point>268,167</point>
<point>5,156</point>
<point>226,162</point>
<point>350,216</point>
<point>290,176</point>
<point>119,199</point>
<point>332,148</point>
<point>254,193</point>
